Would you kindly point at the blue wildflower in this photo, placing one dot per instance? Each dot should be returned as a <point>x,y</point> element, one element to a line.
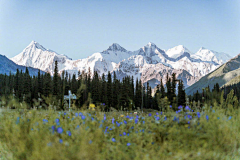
<point>90,141</point>
<point>128,134</point>
<point>59,130</point>
<point>77,127</point>
<point>190,117</point>
<point>76,114</point>
<point>187,108</point>
<point>104,104</point>
<point>125,122</point>
<point>175,119</point>
<point>92,119</point>
<point>170,106</point>
<point>198,114</point>
<point>207,117</point>
<point>157,118</point>
<point>188,122</point>
<point>57,120</point>
<point>65,114</point>
<point>60,141</point>
<point>218,118</point>
<point>53,128</point>
<point>143,122</point>
<point>104,118</point>
<point>120,135</point>
<point>69,133</point>
<point>230,118</point>
<point>83,117</point>
<point>136,121</point>
<point>132,127</point>
<point>113,120</point>
<point>165,118</point>
<point>157,113</point>
<point>161,113</point>
<point>180,107</point>
<point>124,133</point>
<point>113,139</point>
<point>149,114</point>
<point>128,144</point>
<point>80,114</point>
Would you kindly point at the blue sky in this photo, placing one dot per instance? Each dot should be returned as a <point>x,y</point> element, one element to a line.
<point>81,28</point>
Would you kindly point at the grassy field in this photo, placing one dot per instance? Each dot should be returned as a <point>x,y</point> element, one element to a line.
<point>48,134</point>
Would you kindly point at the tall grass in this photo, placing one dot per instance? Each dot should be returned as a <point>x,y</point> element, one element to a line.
<point>35,134</point>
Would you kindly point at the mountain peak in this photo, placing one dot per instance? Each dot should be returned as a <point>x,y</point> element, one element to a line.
<point>150,44</point>
<point>116,47</point>
<point>178,51</point>
<point>35,44</point>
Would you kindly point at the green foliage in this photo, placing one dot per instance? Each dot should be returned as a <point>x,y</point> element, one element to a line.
<point>28,134</point>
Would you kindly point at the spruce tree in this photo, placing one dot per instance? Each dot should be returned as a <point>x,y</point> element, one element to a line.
<point>162,90</point>
<point>109,90</point>
<point>115,91</point>
<point>55,80</point>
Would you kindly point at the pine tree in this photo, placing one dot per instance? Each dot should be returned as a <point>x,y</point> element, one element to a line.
<point>104,90</point>
<point>162,90</point>
<point>55,80</point>
<point>217,88</point>
<point>39,79</point>
<point>181,94</point>
<point>47,84</point>
<point>169,89</point>
<point>173,87</point>
<point>16,88</point>
<point>109,90</point>
<point>115,91</point>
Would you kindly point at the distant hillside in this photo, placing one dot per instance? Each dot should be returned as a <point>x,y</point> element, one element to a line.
<point>222,75</point>
<point>7,66</point>
<point>233,81</point>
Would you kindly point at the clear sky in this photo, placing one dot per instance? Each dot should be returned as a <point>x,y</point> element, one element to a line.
<point>81,28</point>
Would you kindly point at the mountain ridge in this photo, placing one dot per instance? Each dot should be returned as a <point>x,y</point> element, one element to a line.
<point>139,63</point>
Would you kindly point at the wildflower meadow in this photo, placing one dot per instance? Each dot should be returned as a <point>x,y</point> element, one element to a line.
<point>212,133</point>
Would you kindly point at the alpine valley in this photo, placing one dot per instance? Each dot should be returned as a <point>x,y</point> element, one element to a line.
<point>149,63</point>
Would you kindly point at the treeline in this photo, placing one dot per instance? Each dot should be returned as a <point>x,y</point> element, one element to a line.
<point>228,95</point>
<point>104,90</point>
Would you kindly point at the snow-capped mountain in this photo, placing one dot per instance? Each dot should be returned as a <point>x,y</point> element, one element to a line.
<point>149,63</point>
<point>209,55</point>
<point>7,66</point>
<point>178,52</point>
<point>36,56</point>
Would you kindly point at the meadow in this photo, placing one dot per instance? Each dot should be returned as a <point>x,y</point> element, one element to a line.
<point>210,133</point>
